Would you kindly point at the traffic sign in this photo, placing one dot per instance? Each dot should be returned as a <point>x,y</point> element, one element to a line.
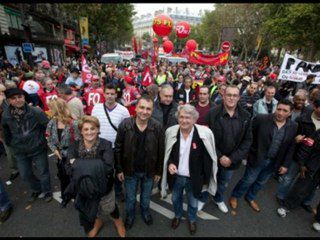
<point>225,46</point>
<point>27,47</point>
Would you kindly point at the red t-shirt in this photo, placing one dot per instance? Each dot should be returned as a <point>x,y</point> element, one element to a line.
<point>45,97</point>
<point>202,113</point>
<point>93,97</point>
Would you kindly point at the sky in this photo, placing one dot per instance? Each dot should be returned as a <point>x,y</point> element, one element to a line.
<point>144,8</point>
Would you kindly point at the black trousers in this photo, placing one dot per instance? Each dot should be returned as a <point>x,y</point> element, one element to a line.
<point>301,189</point>
<point>63,177</point>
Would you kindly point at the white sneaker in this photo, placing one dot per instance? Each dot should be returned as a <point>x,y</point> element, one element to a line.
<point>41,195</point>
<point>282,212</point>
<point>200,205</point>
<point>316,226</point>
<point>223,207</point>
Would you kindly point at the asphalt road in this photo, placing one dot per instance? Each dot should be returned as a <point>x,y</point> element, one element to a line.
<point>42,219</point>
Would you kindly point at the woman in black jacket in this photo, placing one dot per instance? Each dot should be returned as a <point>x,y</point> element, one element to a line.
<point>90,164</point>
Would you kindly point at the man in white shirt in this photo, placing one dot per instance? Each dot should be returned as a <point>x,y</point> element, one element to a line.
<point>191,160</point>
<point>117,113</point>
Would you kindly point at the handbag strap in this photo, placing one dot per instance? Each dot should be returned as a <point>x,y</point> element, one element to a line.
<point>106,111</point>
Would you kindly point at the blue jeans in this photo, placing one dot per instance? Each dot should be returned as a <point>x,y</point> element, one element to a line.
<point>253,180</point>
<point>179,185</point>
<point>5,202</point>
<point>24,162</point>
<point>131,185</point>
<point>287,181</point>
<point>223,178</point>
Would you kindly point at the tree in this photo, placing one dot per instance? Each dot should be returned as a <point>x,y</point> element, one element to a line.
<point>108,22</point>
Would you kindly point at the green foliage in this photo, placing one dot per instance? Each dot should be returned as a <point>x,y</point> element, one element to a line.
<point>107,22</point>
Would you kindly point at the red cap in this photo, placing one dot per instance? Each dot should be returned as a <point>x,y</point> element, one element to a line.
<point>128,80</point>
<point>95,78</point>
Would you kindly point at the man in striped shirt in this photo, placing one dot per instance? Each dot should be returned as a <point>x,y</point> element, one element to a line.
<point>116,113</point>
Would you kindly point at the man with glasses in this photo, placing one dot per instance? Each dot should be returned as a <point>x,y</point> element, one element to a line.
<point>231,126</point>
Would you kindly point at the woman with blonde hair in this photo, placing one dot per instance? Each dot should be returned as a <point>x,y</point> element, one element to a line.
<point>61,131</point>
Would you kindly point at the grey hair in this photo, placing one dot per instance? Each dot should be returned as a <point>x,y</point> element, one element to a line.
<point>166,86</point>
<point>301,92</point>
<point>188,109</point>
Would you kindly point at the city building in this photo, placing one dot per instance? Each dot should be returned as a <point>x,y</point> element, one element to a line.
<point>52,35</point>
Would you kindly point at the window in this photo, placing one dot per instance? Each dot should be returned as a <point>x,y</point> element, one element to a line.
<point>14,19</point>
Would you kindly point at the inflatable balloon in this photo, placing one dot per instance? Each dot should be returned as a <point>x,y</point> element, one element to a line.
<point>183,29</point>
<point>167,46</point>
<point>191,45</point>
<point>162,25</point>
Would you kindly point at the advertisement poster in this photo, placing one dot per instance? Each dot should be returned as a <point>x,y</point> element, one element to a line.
<point>39,53</point>
<point>14,54</point>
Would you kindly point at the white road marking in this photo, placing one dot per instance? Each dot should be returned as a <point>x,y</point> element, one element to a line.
<point>203,214</point>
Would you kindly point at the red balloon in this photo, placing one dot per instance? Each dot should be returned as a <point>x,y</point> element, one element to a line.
<point>183,29</point>
<point>167,46</point>
<point>191,45</point>
<point>162,25</point>
<point>155,40</point>
<point>165,39</point>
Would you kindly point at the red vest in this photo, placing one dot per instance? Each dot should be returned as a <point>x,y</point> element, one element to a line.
<point>45,97</point>
<point>93,97</point>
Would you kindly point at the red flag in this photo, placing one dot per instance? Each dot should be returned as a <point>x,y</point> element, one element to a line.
<point>134,44</point>
<point>154,55</point>
<point>146,77</point>
<point>145,54</point>
<point>140,46</point>
<point>213,60</point>
<point>85,71</point>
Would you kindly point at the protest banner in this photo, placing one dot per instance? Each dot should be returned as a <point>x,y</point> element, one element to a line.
<point>297,70</point>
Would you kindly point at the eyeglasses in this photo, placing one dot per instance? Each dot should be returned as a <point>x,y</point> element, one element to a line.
<point>232,95</point>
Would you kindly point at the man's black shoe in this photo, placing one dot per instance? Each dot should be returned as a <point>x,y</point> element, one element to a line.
<point>128,223</point>
<point>5,214</point>
<point>13,176</point>
<point>192,227</point>
<point>148,219</point>
<point>175,223</point>
<point>280,201</point>
<point>308,208</point>
<point>120,197</point>
<point>33,197</point>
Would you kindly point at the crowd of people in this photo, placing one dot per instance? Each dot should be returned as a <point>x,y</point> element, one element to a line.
<point>188,130</point>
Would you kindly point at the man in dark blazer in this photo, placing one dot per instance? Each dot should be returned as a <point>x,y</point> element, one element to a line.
<point>271,150</point>
<point>186,94</point>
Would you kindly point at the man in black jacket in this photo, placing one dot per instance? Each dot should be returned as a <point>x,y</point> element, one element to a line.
<point>306,127</point>
<point>186,94</point>
<point>307,156</point>
<point>165,107</point>
<point>24,132</point>
<point>272,150</point>
<point>231,127</point>
<point>139,152</point>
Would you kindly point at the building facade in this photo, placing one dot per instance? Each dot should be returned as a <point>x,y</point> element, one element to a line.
<point>52,36</point>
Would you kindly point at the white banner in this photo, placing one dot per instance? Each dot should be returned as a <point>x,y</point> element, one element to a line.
<point>297,70</point>
<point>14,54</point>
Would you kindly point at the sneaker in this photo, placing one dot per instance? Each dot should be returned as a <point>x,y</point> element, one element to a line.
<point>48,197</point>
<point>282,212</point>
<point>5,214</point>
<point>13,176</point>
<point>200,205</point>
<point>33,197</point>
<point>316,226</point>
<point>41,195</point>
<point>308,208</point>
<point>222,207</point>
